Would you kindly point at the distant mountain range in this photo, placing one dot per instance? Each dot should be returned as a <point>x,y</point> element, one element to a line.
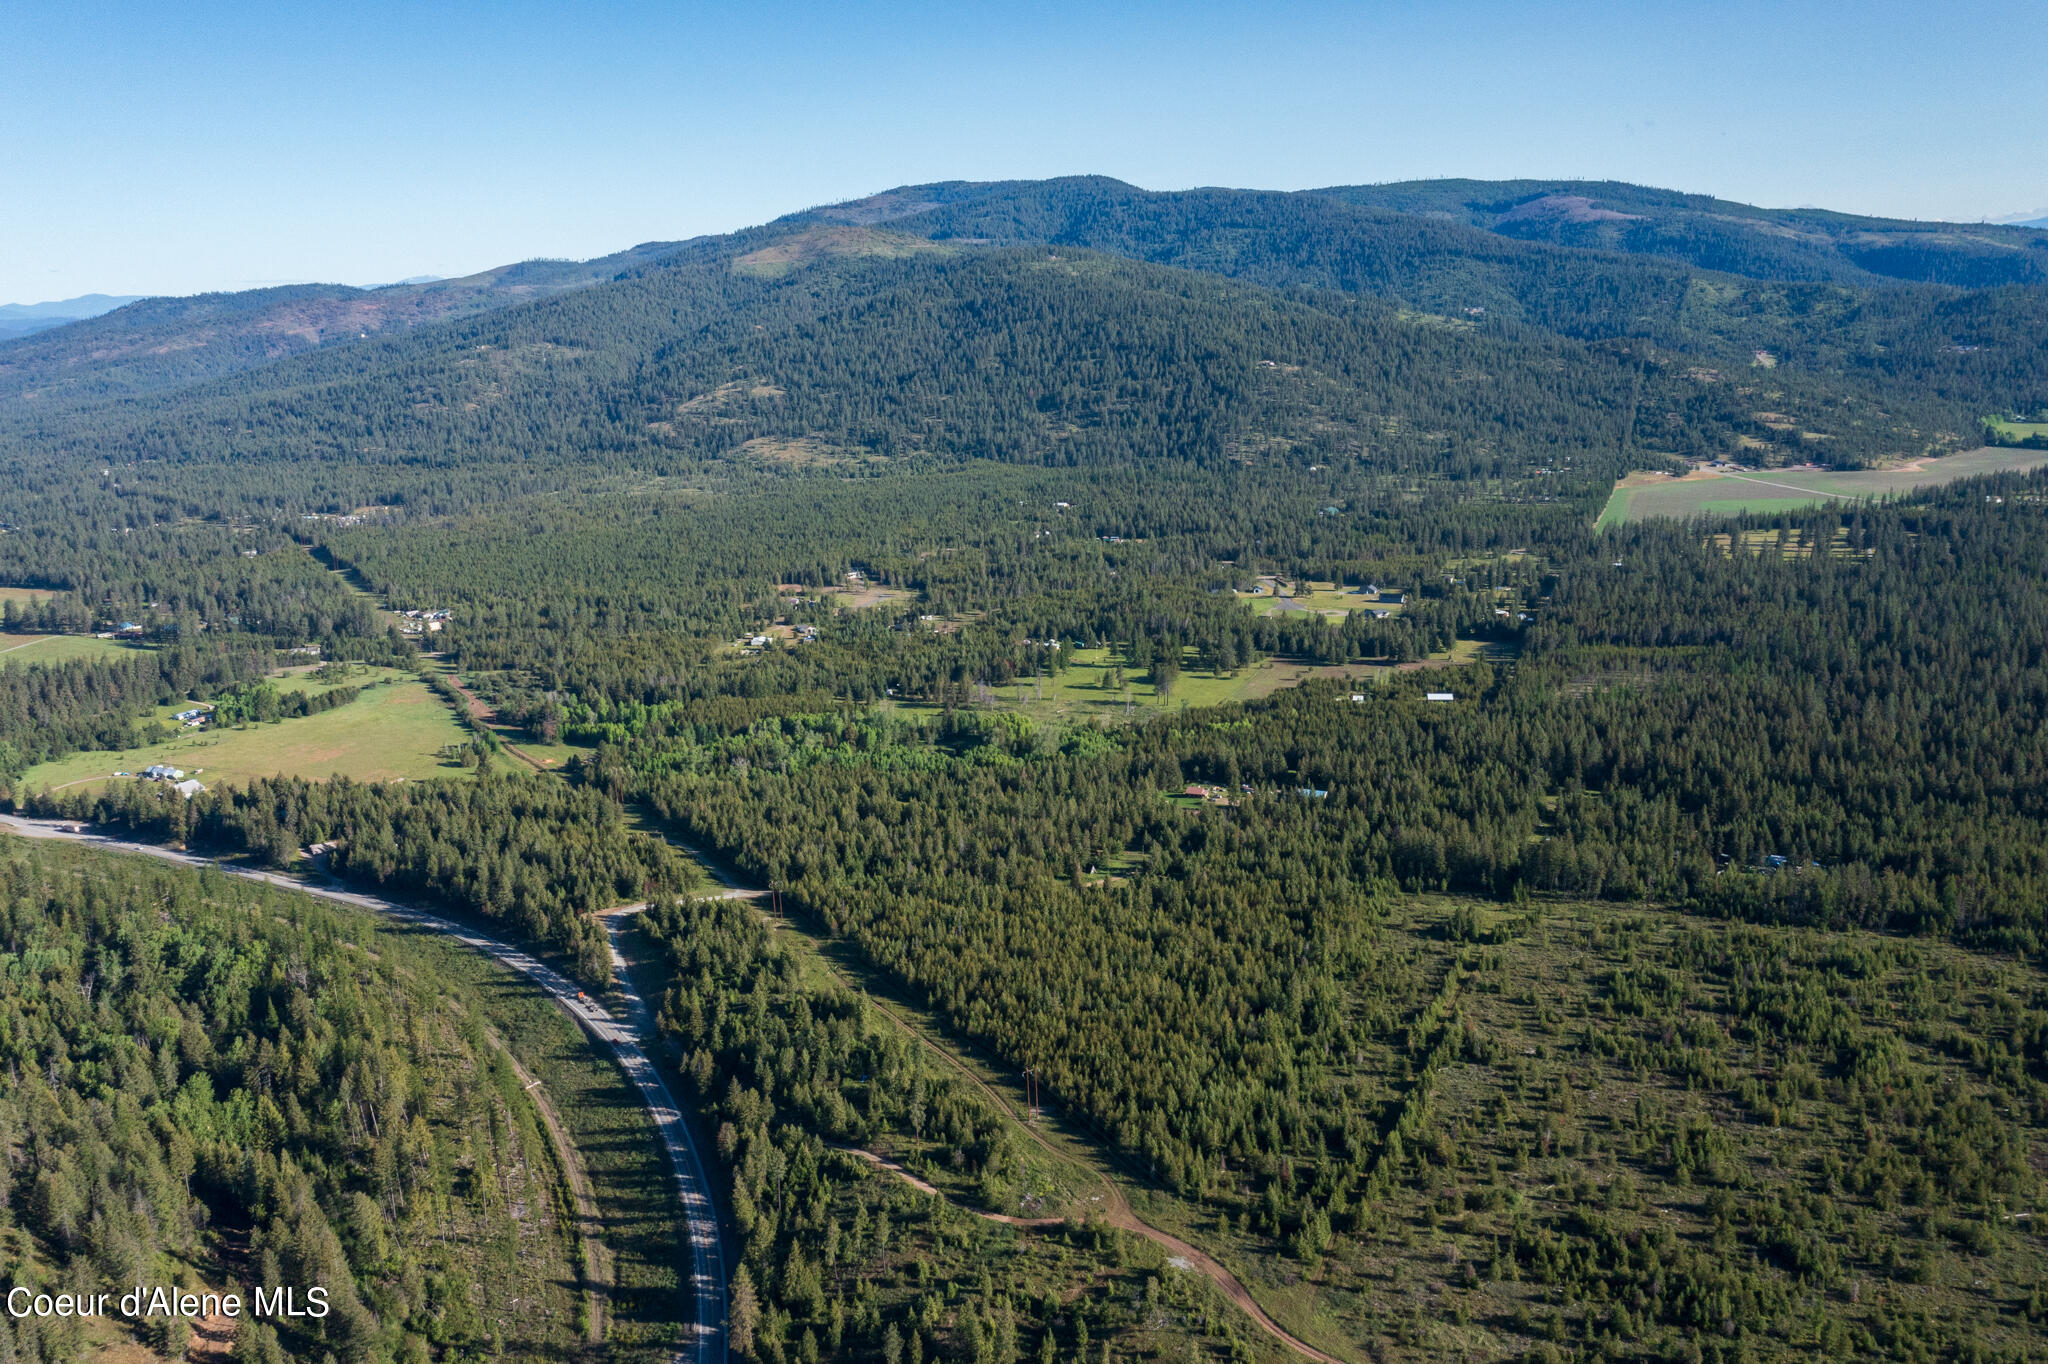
<point>153,344</point>
<point>1586,260</point>
<point>1784,244</point>
<point>1798,245</point>
<point>22,319</point>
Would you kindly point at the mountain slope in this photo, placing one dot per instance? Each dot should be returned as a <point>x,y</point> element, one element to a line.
<point>1892,344</point>
<point>1284,240</point>
<point>1584,259</point>
<point>1410,246</point>
<point>813,343</point>
<point>162,343</point>
<point>975,323</point>
<point>1786,245</point>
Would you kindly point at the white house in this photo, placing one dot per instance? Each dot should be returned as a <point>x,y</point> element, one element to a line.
<point>1441,696</point>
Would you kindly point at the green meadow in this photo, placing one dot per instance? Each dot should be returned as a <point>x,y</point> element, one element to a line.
<point>394,731</point>
<point>60,648</point>
<point>1641,497</point>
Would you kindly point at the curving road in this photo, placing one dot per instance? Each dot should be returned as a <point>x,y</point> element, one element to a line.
<point>625,1038</point>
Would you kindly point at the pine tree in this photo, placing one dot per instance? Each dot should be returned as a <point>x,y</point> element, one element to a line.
<point>743,1311</point>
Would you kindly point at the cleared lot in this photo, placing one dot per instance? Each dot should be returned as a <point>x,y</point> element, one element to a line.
<point>1639,497</point>
<point>393,730</point>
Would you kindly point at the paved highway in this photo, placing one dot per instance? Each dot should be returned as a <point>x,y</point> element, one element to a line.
<point>626,1037</point>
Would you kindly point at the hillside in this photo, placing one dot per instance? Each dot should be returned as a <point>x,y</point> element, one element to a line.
<point>1401,247</point>
<point>236,1086</point>
<point>1785,245</point>
<point>802,346</point>
<point>154,344</point>
<point>1581,259</point>
<point>790,336</point>
<point>574,375</point>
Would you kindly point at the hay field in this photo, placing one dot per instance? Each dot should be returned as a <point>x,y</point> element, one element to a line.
<point>1641,497</point>
<point>61,648</point>
<point>391,732</point>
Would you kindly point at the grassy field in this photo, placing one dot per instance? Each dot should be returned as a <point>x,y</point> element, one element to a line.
<point>1332,600</point>
<point>2007,430</point>
<point>392,732</point>
<point>61,648</point>
<point>306,678</point>
<point>1081,694</point>
<point>1641,497</point>
<point>863,597</point>
<point>25,594</point>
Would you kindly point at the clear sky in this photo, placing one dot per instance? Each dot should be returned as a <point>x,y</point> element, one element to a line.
<point>172,148</point>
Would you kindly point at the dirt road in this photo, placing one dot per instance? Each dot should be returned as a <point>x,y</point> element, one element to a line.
<point>1116,1209</point>
<point>597,1260</point>
<point>484,715</point>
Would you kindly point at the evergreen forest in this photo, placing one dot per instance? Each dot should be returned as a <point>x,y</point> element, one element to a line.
<point>1152,816</point>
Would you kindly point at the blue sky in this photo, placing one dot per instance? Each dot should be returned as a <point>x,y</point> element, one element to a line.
<point>177,148</point>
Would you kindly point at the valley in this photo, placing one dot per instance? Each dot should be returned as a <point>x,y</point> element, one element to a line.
<point>1046,770</point>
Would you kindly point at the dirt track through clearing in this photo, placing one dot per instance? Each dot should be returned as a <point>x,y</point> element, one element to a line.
<point>484,715</point>
<point>597,1260</point>
<point>1793,487</point>
<point>1123,1218</point>
<point>1116,1209</point>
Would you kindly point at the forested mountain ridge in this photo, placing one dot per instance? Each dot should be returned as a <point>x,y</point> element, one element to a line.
<point>1881,343</point>
<point>683,365</point>
<point>761,344</point>
<point>666,365</point>
<point>154,344</point>
<point>1778,245</point>
<point>1320,240</point>
<point>159,343</point>
<point>1795,244</point>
